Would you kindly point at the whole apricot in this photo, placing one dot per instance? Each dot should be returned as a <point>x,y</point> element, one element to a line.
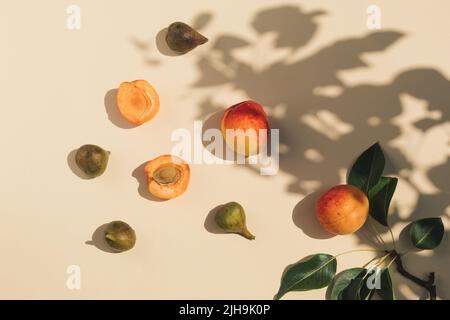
<point>168,176</point>
<point>342,210</point>
<point>245,127</point>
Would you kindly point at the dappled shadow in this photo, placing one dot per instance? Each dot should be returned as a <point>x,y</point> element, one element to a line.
<point>325,123</point>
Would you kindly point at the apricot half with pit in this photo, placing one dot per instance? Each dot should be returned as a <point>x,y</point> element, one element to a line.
<point>168,176</point>
<point>245,127</point>
<point>138,101</point>
<point>343,209</point>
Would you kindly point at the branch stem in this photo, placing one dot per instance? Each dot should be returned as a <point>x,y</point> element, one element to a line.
<point>427,284</point>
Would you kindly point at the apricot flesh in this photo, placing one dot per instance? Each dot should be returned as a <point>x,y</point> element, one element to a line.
<point>138,101</point>
<point>342,210</point>
<point>168,176</point>
<point>241,125</point>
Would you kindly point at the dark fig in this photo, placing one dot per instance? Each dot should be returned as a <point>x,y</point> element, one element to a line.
<point>231,218</point>
<point>92,160</point>
<point>182,38</point>
<point>120,236</point>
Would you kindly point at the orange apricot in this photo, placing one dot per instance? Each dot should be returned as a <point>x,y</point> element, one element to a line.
<point>241,125</point>
<point>168,176</point>
<point>342,210</point>
<point>137,101</point>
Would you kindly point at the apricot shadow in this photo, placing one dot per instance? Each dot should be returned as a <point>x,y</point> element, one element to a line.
<point>113,111</point>
<point>304,217</point>
<point>142,189</point>
<point>98,240</point>
<point>213,122</point>
<point>73,166</point>
<point>161,44</point>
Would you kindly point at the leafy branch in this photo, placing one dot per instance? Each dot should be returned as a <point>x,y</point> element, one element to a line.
<point>319,270</point>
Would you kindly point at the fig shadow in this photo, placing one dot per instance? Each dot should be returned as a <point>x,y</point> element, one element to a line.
<point>98,240</point>
<point>141,179</point>
<point>161,44</point>
<point>73,166</point>
<point>210,222</point>
<point>113,111</point>
<point>304,216</point>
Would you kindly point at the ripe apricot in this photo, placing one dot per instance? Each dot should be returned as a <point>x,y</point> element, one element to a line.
<point>342,210</point>
<point>168,176</point>
<point>137,101</point>
<point>241,125</point>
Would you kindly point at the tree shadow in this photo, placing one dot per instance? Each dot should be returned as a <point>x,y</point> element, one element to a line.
<point>112,110</point>
<point>326,122</point>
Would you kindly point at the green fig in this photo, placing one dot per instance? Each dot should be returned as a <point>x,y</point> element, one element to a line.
<point>231,218</point>
<point>92,160</point>
<point>120,236</point>
<point>182,38</point>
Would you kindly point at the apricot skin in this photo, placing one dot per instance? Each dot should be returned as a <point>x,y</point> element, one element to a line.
<point>137,101</point>
<point>172,190</point>
<point>245,115</point>
<point>342,210</point>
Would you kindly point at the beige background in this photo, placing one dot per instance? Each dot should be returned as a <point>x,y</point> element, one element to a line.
<point>55,84</point>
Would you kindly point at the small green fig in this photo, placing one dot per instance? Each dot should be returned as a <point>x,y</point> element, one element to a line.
<point>182,38</point>
<point>120,236</point>
<point>231,218</point>
<point>92,160</point>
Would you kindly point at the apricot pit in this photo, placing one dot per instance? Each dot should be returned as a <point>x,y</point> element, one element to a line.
<point>168,176</point>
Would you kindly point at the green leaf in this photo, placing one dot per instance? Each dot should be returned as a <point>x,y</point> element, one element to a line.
<point>342,281</point>
<point>367,169</point>
<point>380,197</point>
<point>352,291</point>
<point>426,233</point>
<point>386,291</point>
<point>357,289</point>
<point>314,273</point>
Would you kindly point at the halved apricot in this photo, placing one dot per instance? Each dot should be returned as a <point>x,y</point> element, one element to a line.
<point>137,101</point>
<point>168,176</point>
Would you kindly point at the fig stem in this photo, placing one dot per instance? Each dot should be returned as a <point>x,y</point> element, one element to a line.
<point>246,234</point>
